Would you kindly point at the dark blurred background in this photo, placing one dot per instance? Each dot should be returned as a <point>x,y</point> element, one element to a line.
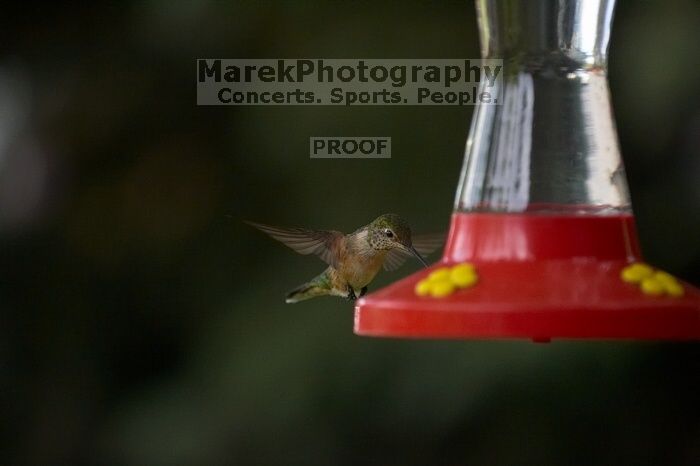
<point>141,323</point>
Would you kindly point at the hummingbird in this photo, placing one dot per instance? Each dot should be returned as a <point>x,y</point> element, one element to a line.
<point>353,259</point>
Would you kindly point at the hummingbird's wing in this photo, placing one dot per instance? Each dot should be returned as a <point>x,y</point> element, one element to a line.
<point>323,243</point>
<point>424,244</point>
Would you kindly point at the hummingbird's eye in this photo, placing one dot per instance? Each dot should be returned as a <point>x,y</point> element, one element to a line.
<point>389,233</point>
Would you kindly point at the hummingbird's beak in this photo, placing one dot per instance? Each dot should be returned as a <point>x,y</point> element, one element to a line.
<point>413,251</point>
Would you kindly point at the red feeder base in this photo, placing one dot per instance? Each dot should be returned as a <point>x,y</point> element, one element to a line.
<point>540,277</point>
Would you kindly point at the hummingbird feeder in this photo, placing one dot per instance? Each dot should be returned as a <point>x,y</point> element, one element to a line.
<point>542,235</point>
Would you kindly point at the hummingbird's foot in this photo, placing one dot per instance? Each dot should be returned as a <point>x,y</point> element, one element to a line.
<point>363,291</point>
<point>351,294</point>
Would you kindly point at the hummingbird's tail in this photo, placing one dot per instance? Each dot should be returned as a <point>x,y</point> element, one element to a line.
<point>304,292</point>
<point>319,286</point>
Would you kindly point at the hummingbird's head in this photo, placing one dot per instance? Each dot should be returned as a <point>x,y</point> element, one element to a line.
<point>389,231</point>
